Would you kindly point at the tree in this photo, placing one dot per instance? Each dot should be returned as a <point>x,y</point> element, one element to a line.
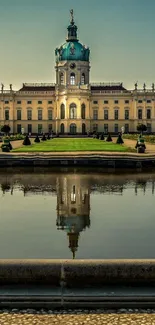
<point>37,140</point>
<point>119,139</point>
<point>5,128</point>
<point>26,141</point>
<point>109,138</point>
<point>141,128</point>
<point>44,137</point>
<point>102,136</point>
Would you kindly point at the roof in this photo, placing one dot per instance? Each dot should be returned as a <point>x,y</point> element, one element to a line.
<point>108,87</point>
<point>37,87</point>
<point>72,51</point>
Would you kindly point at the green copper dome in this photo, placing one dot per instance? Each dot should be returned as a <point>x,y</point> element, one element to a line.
<point>72,50</point>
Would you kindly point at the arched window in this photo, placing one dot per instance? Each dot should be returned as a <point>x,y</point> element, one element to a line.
<point>72,111</point>
<point>62,112</point>
<point>83,128</point>
<point>73,128</point>
<point>61,78</point>
<point>62,128</point>
<point>72,78</point>
<point>83,111</point>
<point>82,79</point>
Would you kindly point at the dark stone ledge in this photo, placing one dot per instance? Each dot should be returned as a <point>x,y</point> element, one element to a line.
<point>112,161</point>
<point>78,273</point>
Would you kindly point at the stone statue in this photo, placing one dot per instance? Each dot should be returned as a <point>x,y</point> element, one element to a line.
<point>136,86</point>
<point>144,86</point>
<point>10,87</point>
<point>72,15</point>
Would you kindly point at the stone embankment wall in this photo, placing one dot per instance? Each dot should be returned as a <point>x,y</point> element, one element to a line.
<point>107,161</point>
<point>79,273</point>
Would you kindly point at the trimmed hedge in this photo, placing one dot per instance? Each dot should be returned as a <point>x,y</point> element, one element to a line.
<point>14,137</point>
<point>147,138</point>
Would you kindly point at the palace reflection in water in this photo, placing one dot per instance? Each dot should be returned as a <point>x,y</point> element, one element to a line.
<point>73,193</point>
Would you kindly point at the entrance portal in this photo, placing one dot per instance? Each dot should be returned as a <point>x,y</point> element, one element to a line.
<point>73,128</point>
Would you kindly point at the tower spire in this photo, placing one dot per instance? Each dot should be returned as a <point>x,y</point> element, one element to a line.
<point>72,16</point>
<point>72,29</point>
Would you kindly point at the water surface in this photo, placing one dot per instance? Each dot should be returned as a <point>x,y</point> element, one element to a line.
<point>79,214</point>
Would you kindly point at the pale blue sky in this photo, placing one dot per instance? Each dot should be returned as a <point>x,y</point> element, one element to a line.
<point>120,34</point>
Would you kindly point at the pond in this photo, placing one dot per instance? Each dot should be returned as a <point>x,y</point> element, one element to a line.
<point>76,214</point>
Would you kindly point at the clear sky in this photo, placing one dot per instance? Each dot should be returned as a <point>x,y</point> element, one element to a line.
<point>120,34</point>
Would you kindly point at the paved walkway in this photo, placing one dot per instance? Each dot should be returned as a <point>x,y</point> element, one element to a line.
<point>30,317</point>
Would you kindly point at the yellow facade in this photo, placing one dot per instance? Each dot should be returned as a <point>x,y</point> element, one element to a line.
<point>74,105</point>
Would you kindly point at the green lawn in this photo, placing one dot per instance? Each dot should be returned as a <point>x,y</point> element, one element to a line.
<point>70,144</point>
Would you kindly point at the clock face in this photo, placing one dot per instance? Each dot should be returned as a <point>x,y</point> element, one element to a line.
<point>72,65</point>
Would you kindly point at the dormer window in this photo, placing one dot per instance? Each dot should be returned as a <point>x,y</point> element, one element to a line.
<point>72,78</point>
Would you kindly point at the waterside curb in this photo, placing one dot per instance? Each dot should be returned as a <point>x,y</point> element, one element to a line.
<point>77,273</point>
<point>91,160</point>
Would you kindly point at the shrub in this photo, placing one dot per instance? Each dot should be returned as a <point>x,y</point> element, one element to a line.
<point>48,137</point>
<point>109,138</point>
<point>15,137</point>
<point>141,128</point>
<point>26,141</point>
<point>97,135</point>
<point>119,139</point>
<point>5,148</point>
<point>10,146</point>
<point>5,128</point>
<point>37,140</point>
<point>44,137</point>
<point>102,136</point>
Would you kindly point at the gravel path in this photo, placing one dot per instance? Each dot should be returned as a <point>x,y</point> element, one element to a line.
<point>150,148</point>
<point>78,317</point>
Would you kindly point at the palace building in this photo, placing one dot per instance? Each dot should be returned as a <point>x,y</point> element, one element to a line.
<point>74,105</point>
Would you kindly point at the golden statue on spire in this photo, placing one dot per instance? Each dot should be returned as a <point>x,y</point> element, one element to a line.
<point>72,15</point>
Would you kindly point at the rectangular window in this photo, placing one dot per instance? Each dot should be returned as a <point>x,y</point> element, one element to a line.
<point>6,114</point>
<point>50,128</point>
<point>50,114</point>
<point>126,114</point>
<point>19,128</point>
<point>50,102</point>
<point>140,114</point>
<point>95,102</point>
<point>19,114</point>
<point>148,101</point>
<point>115,101</point>
<point>105,114</point>
<point>40,128</point>
<point>40,114</point>
<point>95,114</point>
<point>19,102</point>
<point>148,113</point>
<point>105,101</point>
<point>6,101</point>
<point>29,114</point>
<point>95,127</point>
<point>126,129</point>
<point>29,128</point>
<point>116,114</point>
<point>116,128</point>
<point>149,128</point>
<point>140,101</point>
<point>40,102</point>
<point>105,128</point>
<point>126,101</point>
<point>29,102</point>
